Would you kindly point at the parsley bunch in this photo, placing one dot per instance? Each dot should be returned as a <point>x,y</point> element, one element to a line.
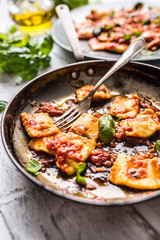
<point>20,55</point>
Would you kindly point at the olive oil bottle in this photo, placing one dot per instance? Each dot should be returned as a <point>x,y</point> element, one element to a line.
<point>32,15</point>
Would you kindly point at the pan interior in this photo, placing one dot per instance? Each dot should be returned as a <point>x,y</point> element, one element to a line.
<point>58,86</point>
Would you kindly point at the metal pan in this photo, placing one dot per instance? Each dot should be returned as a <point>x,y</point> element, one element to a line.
<point>57,85</point>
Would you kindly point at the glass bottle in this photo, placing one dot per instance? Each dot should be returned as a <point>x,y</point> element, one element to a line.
<point>31,15</point>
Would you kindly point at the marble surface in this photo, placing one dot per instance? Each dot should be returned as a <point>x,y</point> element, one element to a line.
<point>28,212</point>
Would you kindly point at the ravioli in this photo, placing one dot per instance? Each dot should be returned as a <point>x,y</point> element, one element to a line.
<point>38,124</point>
<point>97,45</point>
<point>136,172</point>
<point>72,150</point>
<point>86,125</point>
<point>144,125</point>
<point>125,107</point>
<point>41,144</point>
<point>69,149</point>
<point>101,94</point>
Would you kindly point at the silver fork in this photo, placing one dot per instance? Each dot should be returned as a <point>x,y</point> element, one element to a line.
<point>72,114</point>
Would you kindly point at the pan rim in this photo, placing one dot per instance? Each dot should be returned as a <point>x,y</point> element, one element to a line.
<point>50,189</point>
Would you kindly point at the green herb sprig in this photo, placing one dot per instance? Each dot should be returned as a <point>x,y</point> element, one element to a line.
<point>128,37</point>
<point>71,3</point>
<point>157,145</point>
<point>34,167</point>
<point>80,169</point>
<point>3,105</point>
<point>79,83</point>
<point>22,55</point>
<point>106,128</point>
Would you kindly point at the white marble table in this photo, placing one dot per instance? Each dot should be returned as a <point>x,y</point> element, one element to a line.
<point>27,212</point>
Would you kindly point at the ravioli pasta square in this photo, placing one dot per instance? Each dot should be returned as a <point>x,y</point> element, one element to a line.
<point>144,125</point>
<point>86,125</point>
<point>72,150</point>
<point>41,144</point>
<point>136,172</point>
<point>101,94</point>
<point>97,45</point>
<point>125,107</point>
<point>38,124</point>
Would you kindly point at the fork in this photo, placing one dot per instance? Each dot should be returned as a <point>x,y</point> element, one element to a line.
<point>65,121</point>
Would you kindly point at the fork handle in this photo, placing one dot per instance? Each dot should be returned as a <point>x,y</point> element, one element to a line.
<point>134,48</point>
<point>66,20</point>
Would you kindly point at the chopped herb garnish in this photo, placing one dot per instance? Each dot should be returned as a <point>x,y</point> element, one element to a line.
<point>79,83</point>
<point>127,37</point>
<point>34,166</point>
<point>148,52</point>
<point>120,118</point>
<point>80,169</point>
<point>108,27</point>
<point>3,105</point>
<point>137,33</point>
<point>146,22</point>
<point>157,145</point>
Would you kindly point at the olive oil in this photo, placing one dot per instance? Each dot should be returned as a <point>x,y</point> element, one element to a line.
<point>32,15</point>
<point>32,18</point>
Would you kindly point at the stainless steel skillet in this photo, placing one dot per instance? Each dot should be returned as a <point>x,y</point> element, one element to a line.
<point>58,85</point>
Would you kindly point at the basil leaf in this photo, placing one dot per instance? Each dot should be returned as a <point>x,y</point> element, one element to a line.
<point>31,70</point>
<point>34,166</point>
<point>148,52</point>
<point>3,36</point>
<point>3,105</point>
<point>106,128</point>
<point>79,169</point>
<point>13,29</point>
<point>47,45</point>
<point>20,41</point>
<point>79,83</point>
<point>157,145</point>
<point>23,56</point>
<point>71,3</point>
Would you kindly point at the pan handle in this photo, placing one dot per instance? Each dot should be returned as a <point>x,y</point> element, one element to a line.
<point>63,13</point>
